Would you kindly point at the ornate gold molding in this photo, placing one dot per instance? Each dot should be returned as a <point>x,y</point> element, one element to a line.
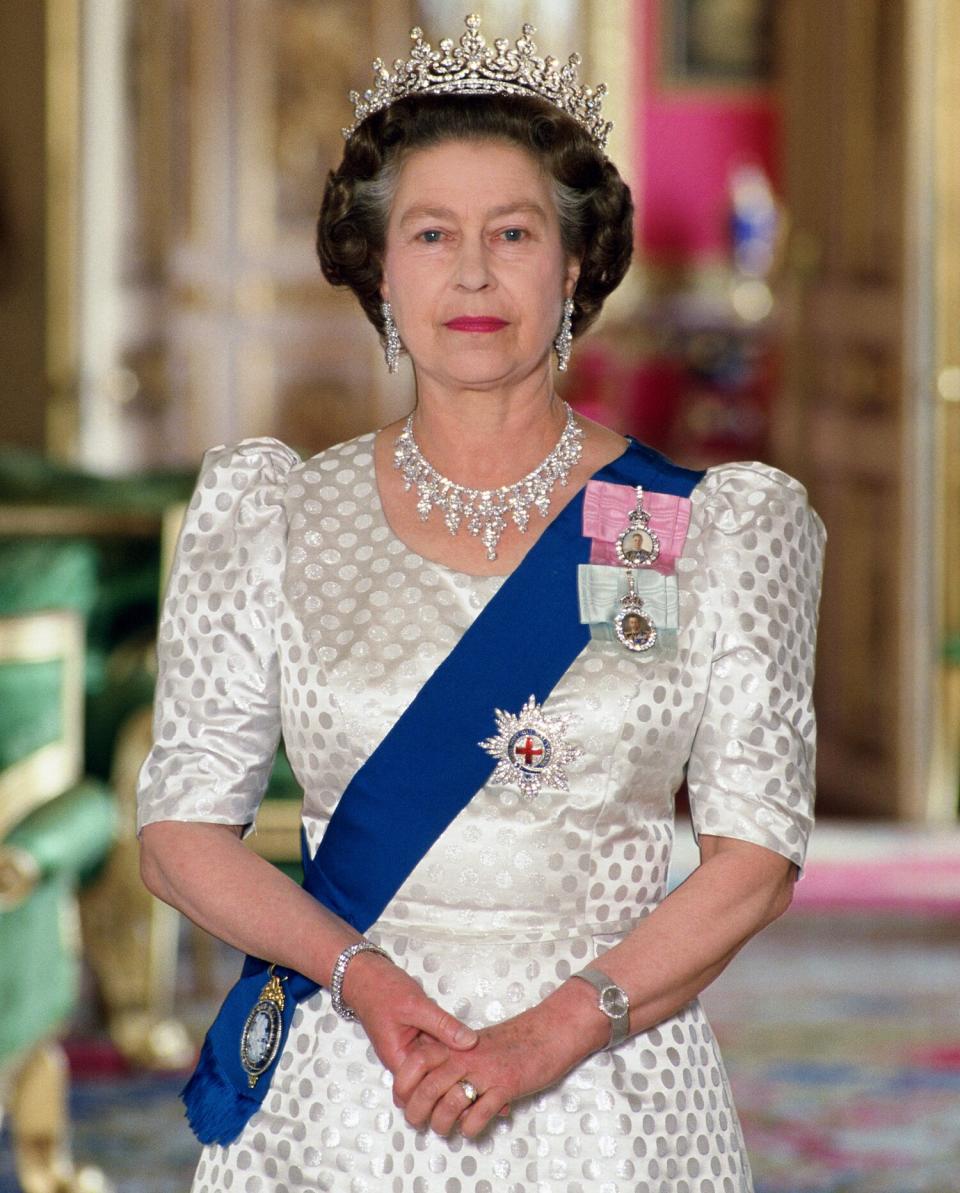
<point>609,37</point>
<point>612,43</point>
<point>62,88</point>
<point>734,29</point>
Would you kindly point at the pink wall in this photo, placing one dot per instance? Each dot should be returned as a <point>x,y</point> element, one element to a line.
<point>688,138</point>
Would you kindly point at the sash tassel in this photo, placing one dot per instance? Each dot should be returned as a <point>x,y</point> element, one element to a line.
<point>216,1110</point>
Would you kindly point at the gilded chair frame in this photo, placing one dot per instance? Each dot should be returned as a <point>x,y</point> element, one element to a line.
<point>31,782</point>
<point>35,1084</point>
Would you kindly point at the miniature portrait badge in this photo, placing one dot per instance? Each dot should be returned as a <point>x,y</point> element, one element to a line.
<point>531,749</point>
<point>634,629</point>
<point>637,547</point>
<point>262,1029</point>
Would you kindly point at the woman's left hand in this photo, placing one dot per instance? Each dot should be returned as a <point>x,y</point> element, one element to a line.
<point>513,1059</point>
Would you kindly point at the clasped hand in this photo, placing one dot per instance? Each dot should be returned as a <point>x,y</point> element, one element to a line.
<point>395,1012</point>
<point>511,1060</point>
<point>429,1051</point>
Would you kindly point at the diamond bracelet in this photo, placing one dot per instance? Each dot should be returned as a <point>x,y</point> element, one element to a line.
<point>340,972</point>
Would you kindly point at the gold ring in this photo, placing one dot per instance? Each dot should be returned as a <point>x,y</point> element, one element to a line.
<point>469,1089</point>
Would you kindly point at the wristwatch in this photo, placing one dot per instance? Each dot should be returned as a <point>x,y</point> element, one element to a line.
<point>614,1002</point>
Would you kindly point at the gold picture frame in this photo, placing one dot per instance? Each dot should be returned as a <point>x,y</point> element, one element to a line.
<point>716,44</point>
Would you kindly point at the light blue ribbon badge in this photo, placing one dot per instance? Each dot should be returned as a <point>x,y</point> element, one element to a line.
<point>600,588</point>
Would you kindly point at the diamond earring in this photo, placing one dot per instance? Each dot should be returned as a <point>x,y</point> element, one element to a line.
<point>391,348</point>
<point>564,341</point>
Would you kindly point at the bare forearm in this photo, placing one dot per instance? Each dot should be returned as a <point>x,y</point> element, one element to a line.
<point>681,947</point>
<point>662,964</point>
<point>208,874</point>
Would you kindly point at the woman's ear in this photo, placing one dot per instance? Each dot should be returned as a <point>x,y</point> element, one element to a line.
<point>573,274</point>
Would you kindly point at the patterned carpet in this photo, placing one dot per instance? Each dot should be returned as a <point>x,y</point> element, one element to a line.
<point>840,1029</point>
<point>842,1038</point>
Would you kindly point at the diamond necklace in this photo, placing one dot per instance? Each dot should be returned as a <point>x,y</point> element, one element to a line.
<point>485,510</point>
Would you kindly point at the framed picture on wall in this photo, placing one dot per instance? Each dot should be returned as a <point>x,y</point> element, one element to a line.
<point>717,43</point>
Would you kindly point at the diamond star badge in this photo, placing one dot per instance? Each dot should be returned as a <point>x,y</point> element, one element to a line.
<point>531,749</point>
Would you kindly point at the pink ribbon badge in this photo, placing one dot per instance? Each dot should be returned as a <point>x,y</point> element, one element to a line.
<point>606,512</point>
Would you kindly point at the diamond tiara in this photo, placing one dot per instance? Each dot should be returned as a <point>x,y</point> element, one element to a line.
<point>474,68</point>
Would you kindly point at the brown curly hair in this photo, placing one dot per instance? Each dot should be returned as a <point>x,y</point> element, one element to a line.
<point>593,201</point>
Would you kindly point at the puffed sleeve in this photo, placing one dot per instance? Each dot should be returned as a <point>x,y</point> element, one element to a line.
<point>751,770</point>
<point>216,712</point>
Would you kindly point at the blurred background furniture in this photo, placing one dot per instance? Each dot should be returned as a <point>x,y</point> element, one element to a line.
<point>101,547</point>
<point>71,540</point>
<point>55,830</point>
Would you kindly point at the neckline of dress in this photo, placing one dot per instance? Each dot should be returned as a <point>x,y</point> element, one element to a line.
<point>444,568</point>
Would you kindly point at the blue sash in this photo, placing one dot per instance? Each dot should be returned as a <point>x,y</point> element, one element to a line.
<point>408,792</point>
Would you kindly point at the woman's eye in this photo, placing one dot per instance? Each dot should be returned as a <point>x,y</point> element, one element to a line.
<point>514,234</point>
<point>431,236</point>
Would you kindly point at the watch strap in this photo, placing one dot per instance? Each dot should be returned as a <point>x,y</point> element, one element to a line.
<point>601,982</point>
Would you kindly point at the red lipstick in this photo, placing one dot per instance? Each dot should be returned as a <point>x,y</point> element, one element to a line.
<point>475,323</point>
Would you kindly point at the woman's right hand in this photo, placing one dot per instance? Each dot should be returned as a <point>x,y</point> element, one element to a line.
<point>395,1012</point>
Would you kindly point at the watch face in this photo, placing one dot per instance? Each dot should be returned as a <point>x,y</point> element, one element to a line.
<point>614,1002</point>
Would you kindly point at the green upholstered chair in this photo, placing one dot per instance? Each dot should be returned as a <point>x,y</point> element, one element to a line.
<point>105,534</point>
<point>117,522</point>
<point>55,830</point>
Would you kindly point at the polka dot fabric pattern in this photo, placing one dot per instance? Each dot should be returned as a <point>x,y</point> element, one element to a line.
<point>653,1115</point>
<point>341,626</point>
<point>216,715</point>
<point>754,568</point>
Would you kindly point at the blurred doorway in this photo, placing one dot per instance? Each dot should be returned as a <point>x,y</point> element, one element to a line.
<point>874,209</point>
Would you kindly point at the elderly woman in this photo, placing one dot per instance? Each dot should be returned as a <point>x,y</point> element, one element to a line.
<point>490,689</point>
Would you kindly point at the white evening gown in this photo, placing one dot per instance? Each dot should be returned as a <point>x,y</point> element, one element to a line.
<point>292,606</point>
